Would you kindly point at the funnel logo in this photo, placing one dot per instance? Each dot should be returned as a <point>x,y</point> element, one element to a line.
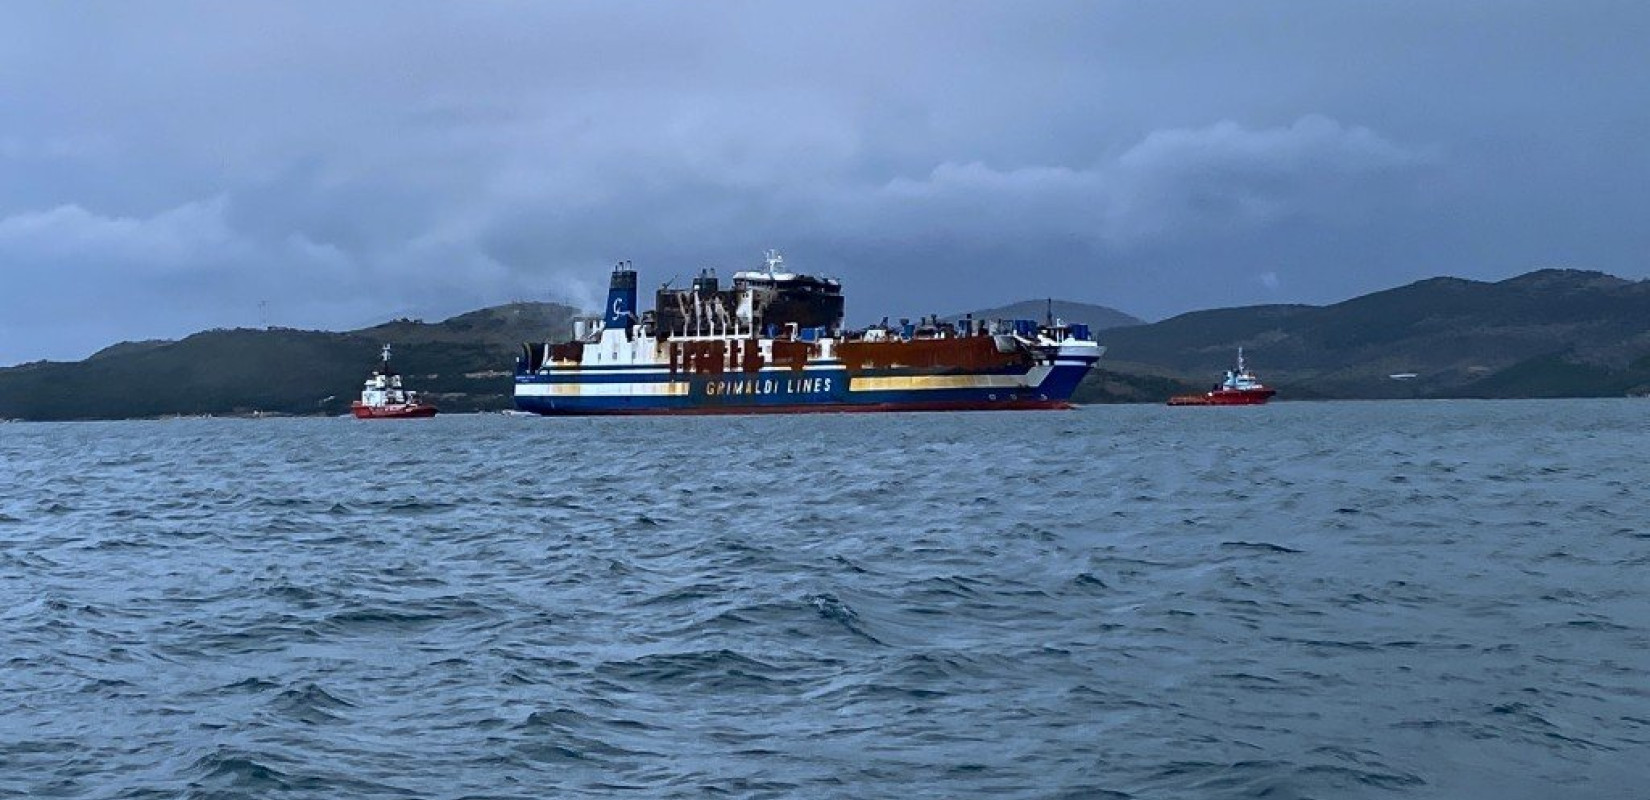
<point>618,306</point>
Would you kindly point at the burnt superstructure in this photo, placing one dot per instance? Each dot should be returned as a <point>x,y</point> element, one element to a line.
<point>774,340</point>
<point>770,301</point>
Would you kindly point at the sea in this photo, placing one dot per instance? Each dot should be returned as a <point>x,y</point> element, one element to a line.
<point>1301,600</point>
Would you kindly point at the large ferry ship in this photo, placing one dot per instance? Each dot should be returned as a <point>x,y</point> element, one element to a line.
<point>774,341</point>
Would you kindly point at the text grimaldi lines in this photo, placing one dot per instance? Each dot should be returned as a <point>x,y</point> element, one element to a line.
<point>767,386</point>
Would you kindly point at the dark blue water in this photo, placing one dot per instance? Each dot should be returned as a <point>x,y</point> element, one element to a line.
<point>1303,600</point>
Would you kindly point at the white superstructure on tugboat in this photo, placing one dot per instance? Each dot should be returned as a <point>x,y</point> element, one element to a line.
<point>775,342</point>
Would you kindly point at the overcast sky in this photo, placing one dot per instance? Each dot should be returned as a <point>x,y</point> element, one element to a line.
<point>167,167</point>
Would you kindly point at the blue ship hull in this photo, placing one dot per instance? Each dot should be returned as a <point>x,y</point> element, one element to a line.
<point>784,390</point>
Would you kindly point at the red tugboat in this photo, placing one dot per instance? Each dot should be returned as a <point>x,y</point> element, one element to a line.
<point>383,398</point>
<point>1241,388</point>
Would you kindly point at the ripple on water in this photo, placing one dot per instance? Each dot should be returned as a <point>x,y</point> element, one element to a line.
<point>1332,600</point>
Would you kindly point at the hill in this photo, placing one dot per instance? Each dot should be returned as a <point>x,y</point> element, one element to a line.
<point>462,363</point>
<point>1552,333</point>
<point>1544,334</point>
<point>505,326</point>
<point>1097,317</point>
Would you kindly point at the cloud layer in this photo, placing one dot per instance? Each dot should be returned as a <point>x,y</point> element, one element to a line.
<point>190,166</point>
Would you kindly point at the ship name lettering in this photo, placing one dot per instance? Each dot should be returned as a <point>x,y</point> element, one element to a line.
<point>766,386</point>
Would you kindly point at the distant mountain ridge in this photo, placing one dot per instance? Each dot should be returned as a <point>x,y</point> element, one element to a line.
<point>463,363</point>
<point>1097,317</point>
<point>1550,333</point>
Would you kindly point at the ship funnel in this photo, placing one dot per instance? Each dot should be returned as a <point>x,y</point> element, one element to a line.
<point>621,297</point>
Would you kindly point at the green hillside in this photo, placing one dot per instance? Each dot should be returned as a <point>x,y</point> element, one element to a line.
<point>1095,316</point>
<point>1547,333</point>
<point>463,364</point>
<point>1554,333</point>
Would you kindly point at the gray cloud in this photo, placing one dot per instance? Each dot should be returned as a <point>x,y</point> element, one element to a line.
<point>1173,184</point>
<point>170,168</point>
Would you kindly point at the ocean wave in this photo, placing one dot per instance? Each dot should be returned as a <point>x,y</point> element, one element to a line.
<point>1391,600</point>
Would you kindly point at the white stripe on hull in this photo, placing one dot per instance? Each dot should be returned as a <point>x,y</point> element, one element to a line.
<point>653,389</point>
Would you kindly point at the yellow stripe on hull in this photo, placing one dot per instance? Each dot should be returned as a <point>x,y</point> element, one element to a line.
<point>920,382</point>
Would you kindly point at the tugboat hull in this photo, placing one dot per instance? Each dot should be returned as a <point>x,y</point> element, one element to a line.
<point>419,411</point>
<point>1223,399</point>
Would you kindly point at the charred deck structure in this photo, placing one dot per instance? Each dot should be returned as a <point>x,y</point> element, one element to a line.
<point>774,341</point>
